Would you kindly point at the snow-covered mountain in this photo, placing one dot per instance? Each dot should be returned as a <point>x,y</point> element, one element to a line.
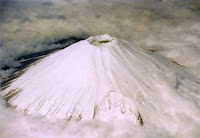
<point>106,78</point>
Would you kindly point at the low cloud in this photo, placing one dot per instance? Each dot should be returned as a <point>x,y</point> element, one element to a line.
<point>17,124</point>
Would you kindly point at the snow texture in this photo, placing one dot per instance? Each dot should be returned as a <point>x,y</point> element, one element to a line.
<point>104,78</point>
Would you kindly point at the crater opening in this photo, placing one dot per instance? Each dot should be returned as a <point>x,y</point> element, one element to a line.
<point>105,41</point>
<point>102,40</point>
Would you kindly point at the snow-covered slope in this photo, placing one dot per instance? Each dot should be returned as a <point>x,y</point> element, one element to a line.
<point>109,79</point>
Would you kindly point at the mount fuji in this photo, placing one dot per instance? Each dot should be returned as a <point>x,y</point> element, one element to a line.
<point>107,78</point>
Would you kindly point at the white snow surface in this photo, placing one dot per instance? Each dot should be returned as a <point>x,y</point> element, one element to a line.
<point>107,79</point>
